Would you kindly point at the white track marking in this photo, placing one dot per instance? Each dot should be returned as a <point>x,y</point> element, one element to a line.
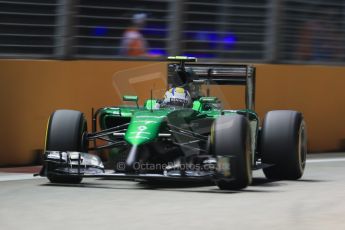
<point>16,176</point>
<point>325,160</point>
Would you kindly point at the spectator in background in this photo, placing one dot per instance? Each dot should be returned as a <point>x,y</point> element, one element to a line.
<point>133,42</point>
<point>321,37</point>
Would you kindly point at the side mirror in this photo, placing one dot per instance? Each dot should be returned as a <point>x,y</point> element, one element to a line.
<point>208,99</point>
<point>131,98</point>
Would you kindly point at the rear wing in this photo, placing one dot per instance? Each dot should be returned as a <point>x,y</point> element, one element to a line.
<point>217,74</point>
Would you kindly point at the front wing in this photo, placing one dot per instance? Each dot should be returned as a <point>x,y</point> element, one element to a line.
<point>88,165</point>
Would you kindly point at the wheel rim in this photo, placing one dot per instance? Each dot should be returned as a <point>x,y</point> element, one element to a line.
<point>249,161</point>
<point>302,155</point>
<point>84,143</point>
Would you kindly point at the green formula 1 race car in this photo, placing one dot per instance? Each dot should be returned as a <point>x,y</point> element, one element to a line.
<point>187,136</point>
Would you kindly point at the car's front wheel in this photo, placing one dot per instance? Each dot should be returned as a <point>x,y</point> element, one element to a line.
<point>65,132</point>
<point>230,137</point>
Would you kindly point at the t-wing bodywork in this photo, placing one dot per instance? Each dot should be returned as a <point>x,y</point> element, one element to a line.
<point>200,142</point>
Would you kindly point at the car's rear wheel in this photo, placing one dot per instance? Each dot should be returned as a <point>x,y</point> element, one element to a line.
<point>65,132</point>
<point>230,137</point>
<point>284,144</point>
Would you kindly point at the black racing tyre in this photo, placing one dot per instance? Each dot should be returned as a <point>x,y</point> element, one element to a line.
<point>284,144</point>
<point>65,132</point>
<point>230,136</point>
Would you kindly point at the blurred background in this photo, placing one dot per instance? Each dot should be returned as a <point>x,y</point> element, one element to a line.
<point>265,31</point>
<point>68,54</point>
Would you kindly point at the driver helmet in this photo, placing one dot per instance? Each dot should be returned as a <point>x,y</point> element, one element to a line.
<point>177,97</point>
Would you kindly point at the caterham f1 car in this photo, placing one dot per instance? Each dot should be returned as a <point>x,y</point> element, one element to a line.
<point>188,137</point>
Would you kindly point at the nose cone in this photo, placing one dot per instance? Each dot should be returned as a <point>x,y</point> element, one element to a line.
<point>144,127</point>
<point>132,158</point>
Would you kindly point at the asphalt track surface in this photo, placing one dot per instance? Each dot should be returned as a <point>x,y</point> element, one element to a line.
<point>317,201</point>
